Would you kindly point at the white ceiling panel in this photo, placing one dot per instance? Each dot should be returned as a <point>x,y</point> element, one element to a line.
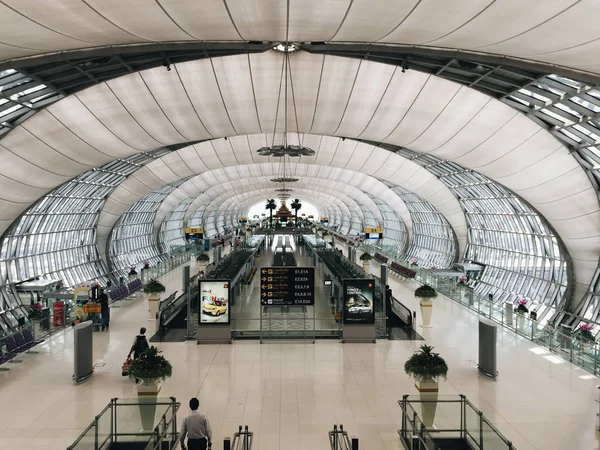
<point>429,104</point>
<point>201,86</point>
<point>463,107</point>
<point>562,32</point>
<point>96,106</point>
<point>134,95</point>
<point>172,99</point>
<point>205,20</point>
<point>432,19</point>
<point>334,91</point>
<point>481,127</point>
<point>146,20</point>
<point>368,90</point>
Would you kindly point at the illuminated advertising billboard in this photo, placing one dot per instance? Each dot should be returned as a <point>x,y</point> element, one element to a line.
<point>214,301</point>
<point>359,296</point>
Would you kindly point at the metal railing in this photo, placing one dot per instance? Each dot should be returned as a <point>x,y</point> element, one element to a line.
<point>451,419</point>
<point>242,440</point>
<point>570,346</point>
<point>339,439</point>
<point>122,419</point>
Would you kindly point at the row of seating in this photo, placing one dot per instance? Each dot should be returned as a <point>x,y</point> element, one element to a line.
<point>125,290</point>
<point>404,272</point>
<point>20,342</point>
<point>381,258</point>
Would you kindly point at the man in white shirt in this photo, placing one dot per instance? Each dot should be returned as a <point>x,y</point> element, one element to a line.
<point>196,428</point>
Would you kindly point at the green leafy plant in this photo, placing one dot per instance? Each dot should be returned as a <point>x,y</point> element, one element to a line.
<point>203,258</point>
<point>365,257</point>
<point>151,366</point>
<point>425,291</point>
<point>296,205</point>
<point>426,364</point>
<point>154,287</point>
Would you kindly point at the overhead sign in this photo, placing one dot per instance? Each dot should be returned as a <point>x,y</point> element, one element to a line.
<point>193,230</point>
<point>324,219</point>
<point>287,286</point>
<point>374,230</point>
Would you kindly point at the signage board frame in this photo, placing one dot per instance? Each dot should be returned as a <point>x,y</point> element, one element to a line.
<point>355,311</point>
<point>213,303</point>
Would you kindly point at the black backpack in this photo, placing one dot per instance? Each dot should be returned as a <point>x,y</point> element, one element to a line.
<point>141,344</point>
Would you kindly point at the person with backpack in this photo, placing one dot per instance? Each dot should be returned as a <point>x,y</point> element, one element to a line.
<point>140,344</point>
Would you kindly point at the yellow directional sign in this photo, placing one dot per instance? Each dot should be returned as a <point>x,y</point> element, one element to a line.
<point>195,230</point>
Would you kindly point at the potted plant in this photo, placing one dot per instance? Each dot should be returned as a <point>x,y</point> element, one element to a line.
<point>427,367</point>
<point>202,260</point>
<point>521,310</point>
<point>146,265</point>
<point>366,261</point>
<point>35,312</point>
<point>586,336</point>
<point>154,288</point>
<point>151,368</point>
<point>413,262</point>
<point>425,293</point>
<point>132,273</point>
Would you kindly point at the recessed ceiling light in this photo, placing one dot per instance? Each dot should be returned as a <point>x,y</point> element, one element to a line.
<point>291,47</point>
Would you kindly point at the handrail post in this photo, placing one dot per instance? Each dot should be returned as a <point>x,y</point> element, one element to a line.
<point>96,433</point>
<point>480,430</point>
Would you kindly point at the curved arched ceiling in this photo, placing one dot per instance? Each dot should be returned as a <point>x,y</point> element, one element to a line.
<point>347,193</point>
<point>333,96</point>
<point>561,32</point>
<point>335,159</point>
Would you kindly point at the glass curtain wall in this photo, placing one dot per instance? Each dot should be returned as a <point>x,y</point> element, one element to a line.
<point>172,228</point>
<point>395,235</point>
<point>56,237</point>
<point>522,255</point>
<point>433,241</point>
<point>131,241</point>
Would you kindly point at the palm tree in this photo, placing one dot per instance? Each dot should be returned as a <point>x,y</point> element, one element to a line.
<point>296,205</point>
<point>271,205</point>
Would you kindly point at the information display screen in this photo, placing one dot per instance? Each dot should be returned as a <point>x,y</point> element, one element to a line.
<point>358,301</point>
<point>287,286</point>
<point>214,301</point>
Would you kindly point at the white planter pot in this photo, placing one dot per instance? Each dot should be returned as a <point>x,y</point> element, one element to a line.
<point>586,347</point>
<point>146,387</point>
<point>147,392</point>
<point>428,393</point>
<point>520,321</point>
<point>367,266</point>
<point>153,303</point>
<point>426,306</point>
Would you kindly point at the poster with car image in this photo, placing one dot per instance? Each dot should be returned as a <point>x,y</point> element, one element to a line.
<point>358,301</point>
<point>214,301</point>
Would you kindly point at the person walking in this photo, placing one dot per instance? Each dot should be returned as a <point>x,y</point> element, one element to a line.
<point>196,428</point>
<point>140,344</point>
<point>104,309</point>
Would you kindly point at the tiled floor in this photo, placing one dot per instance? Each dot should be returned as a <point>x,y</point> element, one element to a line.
<point>291,394</point>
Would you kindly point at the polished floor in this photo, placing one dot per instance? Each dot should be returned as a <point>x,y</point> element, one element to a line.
<point>291,394</point>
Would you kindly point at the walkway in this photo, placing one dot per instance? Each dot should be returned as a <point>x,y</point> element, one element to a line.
<point>291,394</point>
